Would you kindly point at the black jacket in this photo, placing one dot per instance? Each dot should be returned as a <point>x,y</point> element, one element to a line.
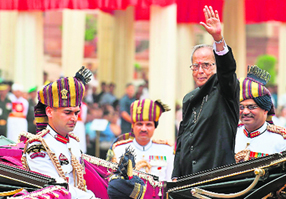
<point>207,132</point>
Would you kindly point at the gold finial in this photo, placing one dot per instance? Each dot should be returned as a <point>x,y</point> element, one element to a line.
<point>129,168</point>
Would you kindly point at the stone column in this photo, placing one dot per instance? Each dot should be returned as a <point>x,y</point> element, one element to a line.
<point>106,23</point>
<point>162,71</point>
<point>186,41</point>
<point>281,82</point>
<point>8,21</point>
<point>72,41</point>
<point>234,33</point>
<point>29,50</point>
<point>124,49</point>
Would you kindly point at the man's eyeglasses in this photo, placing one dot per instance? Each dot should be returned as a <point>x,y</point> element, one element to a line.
<point>204,65</point>
<point>249,107</point>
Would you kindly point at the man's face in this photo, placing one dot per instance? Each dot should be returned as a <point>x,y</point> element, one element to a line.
<point>203,55</point>
<point>251,115</point>
<point>17,93</point>
<point>63,119</point>
<point>130,91</point>
<point>143,131</point>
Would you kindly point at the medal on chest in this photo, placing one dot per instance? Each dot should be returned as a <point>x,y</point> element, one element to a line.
<point>158,161</point>
<point>63,159</point>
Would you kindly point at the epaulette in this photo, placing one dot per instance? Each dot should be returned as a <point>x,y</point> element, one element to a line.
<point>159,141</point>
<point>72,135</point>
<point>277,129</point>
<point>125,136</point>
<point>43,133</point>
<point>24,136</point>
<point>121,142</point>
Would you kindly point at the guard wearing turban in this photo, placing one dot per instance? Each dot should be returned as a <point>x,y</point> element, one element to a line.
<point>256,135</point>
<point>152,156</point>
<point>54,150</point>
<point>253,87</point>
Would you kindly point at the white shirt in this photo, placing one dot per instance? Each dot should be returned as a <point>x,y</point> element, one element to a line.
<point>266,142</point>
<point>159,156</point>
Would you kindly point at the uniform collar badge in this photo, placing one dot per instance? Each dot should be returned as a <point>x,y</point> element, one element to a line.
<point>62,139</point>
<point>252,134</point>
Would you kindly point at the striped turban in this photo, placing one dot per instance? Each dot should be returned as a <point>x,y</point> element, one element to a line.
<point>253,87</point>
<point>64,92</point>
<point>147,110</point>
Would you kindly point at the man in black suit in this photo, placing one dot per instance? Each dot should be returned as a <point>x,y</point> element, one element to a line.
<point>210,112</point>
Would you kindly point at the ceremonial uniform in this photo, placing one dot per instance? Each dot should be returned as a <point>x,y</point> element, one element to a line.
<point>155,157</point>
<point>58,153</point>
<point>256,111</point>
<point>79,129</point>
<point>261,142</point>
<point>38,159</point>
<point>17,121</point>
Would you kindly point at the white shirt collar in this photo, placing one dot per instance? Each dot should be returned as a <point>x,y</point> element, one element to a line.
<point>256,132</point>
<point>142,148</point>
<point>52,132</point>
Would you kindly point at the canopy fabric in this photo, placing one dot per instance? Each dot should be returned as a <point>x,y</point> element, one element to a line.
<point>45,5</point>
<point>257,11</point>
<point>188,11</point>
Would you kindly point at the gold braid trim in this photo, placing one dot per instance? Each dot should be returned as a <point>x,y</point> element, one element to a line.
<point>75,163</point>
<point>9,193</point>
<point>242,155</point>
<point>72,135</point>
<point>52,155</point>
<point>113,167</point>
<point>111,155</point>
<point>121,142</point>
<point>48,190</point>
<point>160,141</point>
<point>79,174</point>
<point>143,163</point>
<point>277,129</point>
